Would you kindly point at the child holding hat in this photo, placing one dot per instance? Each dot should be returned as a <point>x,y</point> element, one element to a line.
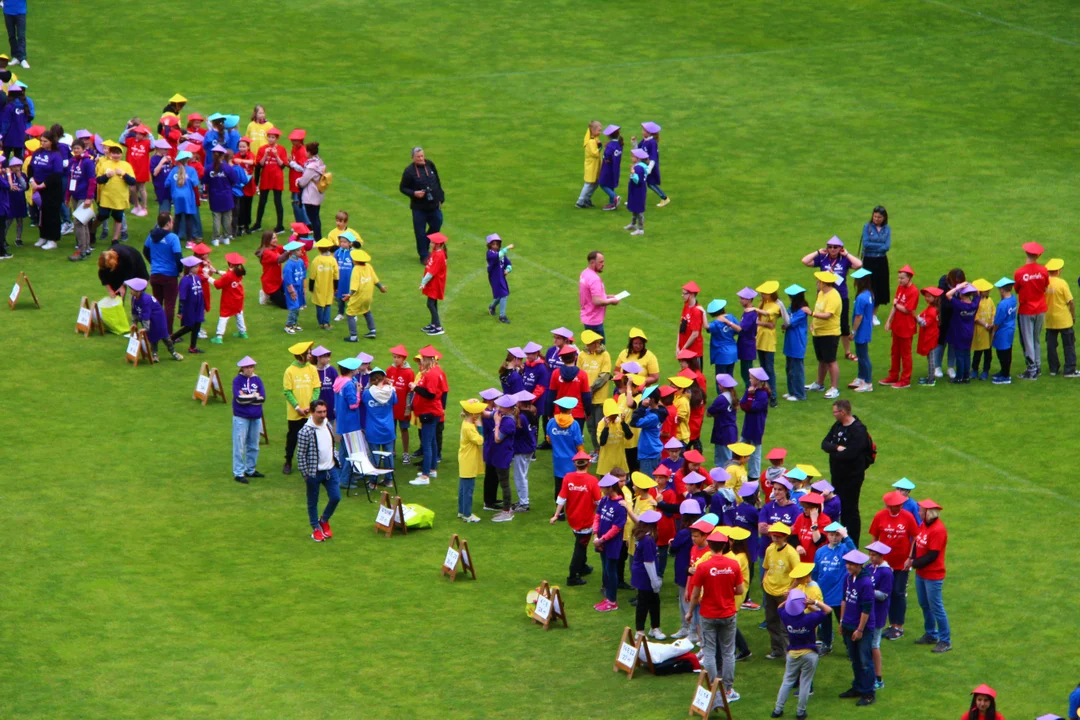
<point>231,285</point>
<point>795,342</point>
<point>882,577</point>
<point>755,407</point>
<point>322,278</point>
<point>984,325</point>
<point>564,436</point>
<point>832,500</point>
<point>636,192</point>
<point>691,322</point>
<point>498,267</point>
<point>470,456</point>
<point>1004,331</point>
<point>857,625</point>
<point>148,313</point>
<point>1060,318</point>
<point>928,334</point>
<point>644,576</point>
<point>647,417</point>
<point>722,328</point>
<point>828,316</point>
<point>800,616</point>
<point>769,314</point>
<point>650,143</point>
<point>607,530</point>
<point>502,451</point>
<point>964,299</point>
<point>902,323</point>
<point>362,284</point>
<point>577,500</point>
<point>292,276</point>
<point>862,325</point>
<point>780,560</point>
<point>248,394</point>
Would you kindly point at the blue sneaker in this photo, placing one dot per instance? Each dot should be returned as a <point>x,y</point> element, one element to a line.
<point>879,684</point>
<point>984,375</point>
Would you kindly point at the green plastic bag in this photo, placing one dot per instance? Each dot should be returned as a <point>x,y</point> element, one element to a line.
<point>114,315</point>
<point>418,517</point>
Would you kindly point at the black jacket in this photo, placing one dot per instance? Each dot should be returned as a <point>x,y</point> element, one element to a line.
<point>422,177</point>
<point>856,441</point>
<point>129,265</point>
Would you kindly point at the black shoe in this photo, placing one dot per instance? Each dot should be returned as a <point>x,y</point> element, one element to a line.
<point>575,581</point>
<point>866,700</point>
<point>196,351</point>
<point>504,319</point>
<point>942,647</point>
<point>286,469</point>
<point>255,474</point>
<point>624,586</point>
<point>850,693</point>
<point>491,310</point>
<point>255,229</point>
<point>278,230</point>
<point>926,639</point>
<point>588,570</point>
<point>633,601</point>
<point>240,479</point>
<point>370,335</point>
<point>544,446</point>
<point>777,713</point>
<point>743,656</point>
<point>801,717</point>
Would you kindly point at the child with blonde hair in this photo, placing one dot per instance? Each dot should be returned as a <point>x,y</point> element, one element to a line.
<point>470,456</point>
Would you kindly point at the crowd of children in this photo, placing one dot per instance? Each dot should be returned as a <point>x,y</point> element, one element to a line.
<point>603,165</point>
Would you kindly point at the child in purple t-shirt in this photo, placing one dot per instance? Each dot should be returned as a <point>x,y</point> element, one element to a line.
<point>192,304</point>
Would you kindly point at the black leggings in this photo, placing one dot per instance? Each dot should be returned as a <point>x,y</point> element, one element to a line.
<point>433,308</point>
<point>504,482</point>
<point>290,437</point>
<point>491,486</point>
<point>243,217</point>
<point>193,329</point>
<point>263,197</point>
<point>1005,361</point>
<point>983,355</point>
<point>648,603</point>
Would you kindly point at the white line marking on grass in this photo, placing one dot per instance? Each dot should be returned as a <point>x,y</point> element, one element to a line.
<point>1026,486</point>
<point>998,21</point>
<point>631,64</point>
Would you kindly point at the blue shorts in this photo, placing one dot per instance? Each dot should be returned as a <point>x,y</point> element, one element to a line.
<point>403,424</point>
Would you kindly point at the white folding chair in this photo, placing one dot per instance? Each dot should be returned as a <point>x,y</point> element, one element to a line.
<point>363,466</point>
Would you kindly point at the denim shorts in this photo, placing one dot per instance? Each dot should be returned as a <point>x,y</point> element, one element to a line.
<point>875,639</point>
<point>403,424</point>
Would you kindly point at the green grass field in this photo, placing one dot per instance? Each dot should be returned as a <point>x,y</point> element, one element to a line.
<point>140,581</point>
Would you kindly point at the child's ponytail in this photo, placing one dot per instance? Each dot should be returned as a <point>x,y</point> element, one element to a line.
<point>181,175</point>
<point>239,270</point>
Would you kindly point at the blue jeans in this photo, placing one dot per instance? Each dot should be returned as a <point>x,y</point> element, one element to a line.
<point>501,303</point>
<point>164,206</point>
<point>294,315</point>
<point>198,223</point>
<point>941,355</point>
<point>935,621</point>
<point>610,192</point>
<point>432,221</point>
<point>648,465</point>
<point>16,30</point>
<point>656,189</point>
<point>587,191</point>
<point>611,573</point>
<point>598,329</point>
<point>721,455</point>
<point>344,473</point>
<point>340,307</point>
<point>322,314</point>
<point>862,351</point>
<point>753,466</point>
<point>767,361</point>
<point>185,226</point>
<point>862,662</point>
<point>333,494</point>
<point>963,362</point>
<point>464,495</point>
<point>298,212</point>
<point>427,446</point>
<point>245,445</point>
<point>796,377</point>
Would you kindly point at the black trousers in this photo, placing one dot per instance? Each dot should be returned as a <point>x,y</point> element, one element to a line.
<point>504,482</point>
<point>193,329</point>
<point>577,560</point>
<point>290,437</point>
<point>243,218</point>
<point>631,460</point>
<point>848,488</point>
<point>315,221</point>
<point>648,603</point>
<point>984,356</point>
<point>1005,361</point>
<point>263,197</point>
<point>491,486</point>
<point>439,427</point>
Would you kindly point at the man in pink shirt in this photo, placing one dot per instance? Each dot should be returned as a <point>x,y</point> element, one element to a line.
<point>592,296</point>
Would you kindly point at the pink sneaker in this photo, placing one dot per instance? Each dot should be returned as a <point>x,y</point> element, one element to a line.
<point>602,605</point>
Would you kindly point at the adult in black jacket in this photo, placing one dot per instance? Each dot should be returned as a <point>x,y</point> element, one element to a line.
<point>118,264</point>
<point>847,444</point>
<point>420,182</point>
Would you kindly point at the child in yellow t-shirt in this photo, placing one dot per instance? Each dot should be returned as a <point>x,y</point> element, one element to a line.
<point>1060,317</point>
<point>738,552</point>
<point>612,434</point>
<point>984,320</point>
<point>341,224</point>
<point>322,279</point>
<point>780,560</point>
<point>470,456</point>
<point>362,284</point>
<point>737,468</point>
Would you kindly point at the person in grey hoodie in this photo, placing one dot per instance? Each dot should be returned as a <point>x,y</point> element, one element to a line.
<point>310,196</point>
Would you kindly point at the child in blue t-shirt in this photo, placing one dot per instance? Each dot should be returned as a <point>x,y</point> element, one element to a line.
<point>862,324</point>
<point>795,342</point>
<point>292,278</point>
<point>565,437</point>
<point>1003,331</point>
<point>343,255</point>
<point>723,350</point>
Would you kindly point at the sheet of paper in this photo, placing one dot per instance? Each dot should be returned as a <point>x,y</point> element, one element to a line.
<point>84,318</point>
<point>702,698</point>
<point>623,295</point>
<point>133,347</point>
<point>543,607</point>
<point>451,559</point>
<point>14,293</point>
<point>627,655</point>
<point>83,214</point>
<point>203,385</point>
<point>384,517</point>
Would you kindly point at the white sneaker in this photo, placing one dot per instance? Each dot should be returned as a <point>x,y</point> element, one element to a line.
<point>339,318</point>
<point>264,299</point>
<point>865,387</point>
<point>952,373</point>
<point>854,384</point>
<point>226,240</point>
<point>815,387</point>
<point>40,242</point>
<point>786,396</point>
<point>471,519</point>
<point>656,634</point>
<point>680,633</point>
<point>503,516</point>
<point>638,232</point>
<point>434,473</point>
<point>628,227</point>
<point>215,242</point>
<point>732,696</point>
<point>50,245</point>
<point>832,393</point>
<point>792,398</point>
<point>421,480</point>
<point>25,64</point>
<point>67,229</point>
<point>876,321</point>
<point>203,335</point>
<point>938,373</point>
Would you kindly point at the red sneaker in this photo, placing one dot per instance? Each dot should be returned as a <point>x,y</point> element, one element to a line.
<point>325,527</point>
<point>901,386</point>
<point>317,535</point>
<point>887,381</point>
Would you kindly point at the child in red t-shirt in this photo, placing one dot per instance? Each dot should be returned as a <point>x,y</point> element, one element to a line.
<point>928,332</point>
<point>433,284</point>
<point>245,160</point>
<point>271,160</point>
<point>401,375</point>
<point>136,137</point>
<point>231,285</point>
<point>578,497</point>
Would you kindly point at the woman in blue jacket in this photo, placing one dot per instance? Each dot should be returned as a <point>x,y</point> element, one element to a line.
<point>876,243</point>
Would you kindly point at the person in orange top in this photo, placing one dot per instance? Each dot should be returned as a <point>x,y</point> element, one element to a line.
<point>194,124</point>
<point>297,157</point>
<point>809,528</point>
<point>983,705</point>
<point>136,137</point>
<point>692,323</point>
<point>433,284</point>
<point>928,333</point>
<point>271,159</point>
<point>902,323</point>
<point>928,561</point>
